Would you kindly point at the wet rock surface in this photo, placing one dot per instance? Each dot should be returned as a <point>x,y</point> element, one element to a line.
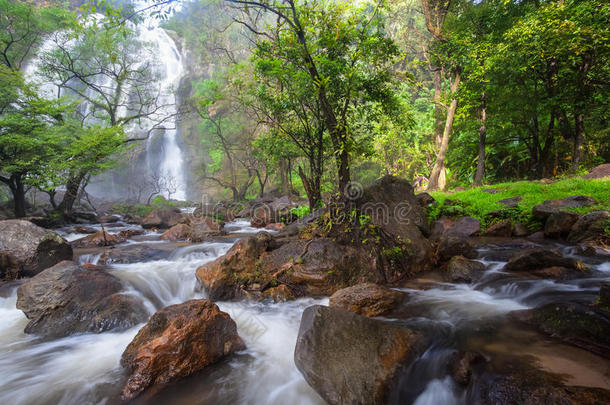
<point>68,298</point>
<point>537,259</point>
<point>544,210</point>
<point>163,219</point>
<point>579,324</point>
<point>367,299</point>
<point>100,238</point>
<point>462,270</point>
<point>176,342</point>
<point>351,359</point>
<point>590,227</point>
<point>27,249</point>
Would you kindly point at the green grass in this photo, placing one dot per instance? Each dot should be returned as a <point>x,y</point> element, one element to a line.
<point>141,210</point>
<point>477,203</point>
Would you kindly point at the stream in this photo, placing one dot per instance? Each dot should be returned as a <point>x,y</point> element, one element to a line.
<point>85,369</point>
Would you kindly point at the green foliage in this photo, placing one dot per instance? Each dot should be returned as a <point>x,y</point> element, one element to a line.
<point>393,254</point>
<point>141,210</point>
<point>478,203</point>
<point>22,28</point>
<point>300,211</point>
<point>33,131</point>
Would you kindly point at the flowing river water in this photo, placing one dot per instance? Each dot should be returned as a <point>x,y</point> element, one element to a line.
<point>85,369</point>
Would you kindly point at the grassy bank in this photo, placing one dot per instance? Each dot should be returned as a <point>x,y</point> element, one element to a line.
<point>478,203</point>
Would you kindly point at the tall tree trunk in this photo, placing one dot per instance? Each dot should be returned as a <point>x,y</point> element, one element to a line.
<point>284,176</point>
<point>478,176</point>
<point>72,187</point>
<point>15,184</point>
<point>438,109</point>
<point>439,165</point>
<point>19,198</point>
<point>579,135</point>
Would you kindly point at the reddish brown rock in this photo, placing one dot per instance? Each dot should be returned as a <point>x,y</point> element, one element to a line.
<point>163,219</point>
<point>599,172</point>
<point>129,233</point>
<point>464,227</point>
<point>99,238</point>
<point>501,228</point>
<point>176,342</point>
<point>440,227</point>
<point>461,366</point>
<point>367,299</point>
<point>559,224</point>
<point>520,230</point>
<point>204,228</point>
<point>224,277</point>
<point>456,246</point>
<point>280,293</point>
<point>275,226</point>
<point>177,232</point>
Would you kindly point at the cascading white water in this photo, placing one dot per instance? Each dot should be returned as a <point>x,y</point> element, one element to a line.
<point>85,369</point>
<point>165,166</point>
<point>171,168</point>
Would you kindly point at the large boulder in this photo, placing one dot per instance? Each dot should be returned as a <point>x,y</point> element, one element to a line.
<point>537,259</point>
<point>590,227</point>
<point>522,385</point>
<point>391,203</point>
<point>463,270</point>
<point>456,246</point>
<point>464,227</point>
<point>559,224</point>
<point>225,277</point>
<point>581,325</point>
<point>68,298</point>
<point>264,212</point>
<point>502,228</point>
<point>177,232</point>
<point>599,172</point>
<point>544,210</point>
<point>163,219</point>
<point>425,200</point>
<point>27,249</point>
<point>176,342</point>
<point>351,359</point>
<point>134,253</point>
<point>315,267</point>
<point>97,239</point>
<point>367,299</point>
<point>203,228</point>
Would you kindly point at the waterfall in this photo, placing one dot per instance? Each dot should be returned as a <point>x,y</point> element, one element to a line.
<point>164,162</point>
<point>171,165</point>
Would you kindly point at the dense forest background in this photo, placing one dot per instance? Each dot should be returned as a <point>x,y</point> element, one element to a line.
<point>307,97</point>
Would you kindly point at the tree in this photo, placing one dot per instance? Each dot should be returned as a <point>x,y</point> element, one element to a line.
<point>285,100</point>
<point>343,50</point>
<point>22,29</point>
<point>33,135</point>
<point>106,70</point>
<point>226,136</point>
